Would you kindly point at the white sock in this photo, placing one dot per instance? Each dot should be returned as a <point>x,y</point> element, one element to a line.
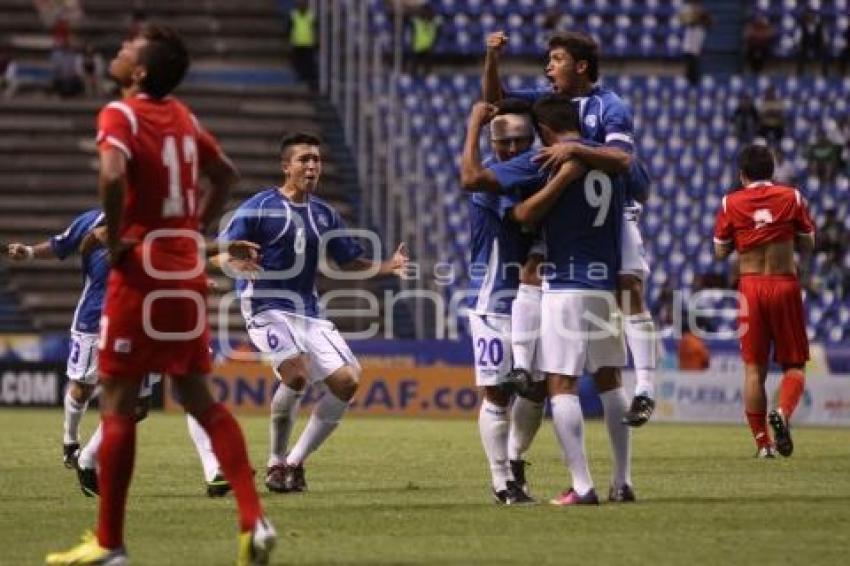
<point>284,410</point>
<point>615,404</point>
<point>525,325</point>
<point>568,421</point>
<point>641,338</point>
<point>74,412</point>
<point>493,424</point>
<point>88,455</point>
<point>526,416</point>
<point>204,447</point>
<point>323,421</point>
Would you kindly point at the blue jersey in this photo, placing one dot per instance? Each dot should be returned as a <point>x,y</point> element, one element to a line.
<point>95,270</point>
<point>499,248</point>
<point>520,176</point>
<point>289,235</point>
<point>637,184</point>
<point>605,117</point>
<point>583,233</point>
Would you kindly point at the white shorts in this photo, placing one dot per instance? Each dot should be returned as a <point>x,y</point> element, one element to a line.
<point>633,257</point>
<point>580,330</point>
<point>281,335</point>
<point>82,363</point>
<point>491,346</point>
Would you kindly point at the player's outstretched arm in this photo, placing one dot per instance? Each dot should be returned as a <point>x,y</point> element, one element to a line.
<point>722,250</point>
<point>222,175</point>
<point>396,265</point>
<point>607,158</point>
<point>22,252</point>
<point>491,84</point>
<point>532,210</point>
<point>474,177</point>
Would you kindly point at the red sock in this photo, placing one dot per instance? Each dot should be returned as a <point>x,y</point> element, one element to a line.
<point>229,447</point>
<point>790,391</point>
<point>758,425</point>
<point>115,459</point>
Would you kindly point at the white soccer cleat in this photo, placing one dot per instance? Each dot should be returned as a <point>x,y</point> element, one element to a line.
<point>255,547</point>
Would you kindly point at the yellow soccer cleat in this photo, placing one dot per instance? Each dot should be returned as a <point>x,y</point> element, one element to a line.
<point>256,546</point>
<point>89,552</point>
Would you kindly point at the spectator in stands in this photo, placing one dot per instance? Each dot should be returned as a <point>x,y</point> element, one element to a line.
<point>772,117</point>
<point>824,157</point>
<point>844,56</point>
<point>696,21</point>
<point>8,73</point>
<point>811,42</point>
<point>832,236</point>
<point>66,65</point>
<point>759,36</point>
<point>93,70</point>
<point>426,28</point>
<point>137,20</point>
<point>784,173</point>
<point>693,353</point>
<point>745,119</point>
<point>301,28</point>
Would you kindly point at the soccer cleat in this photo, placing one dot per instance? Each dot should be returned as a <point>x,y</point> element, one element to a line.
<point>218,487</point>
<point>88,481</point>
<point>571,497</point>
<point>255,547</point>
<point>521,379</point>
<point>621,494</point>
<point>781,432</point>
<point>518,472</point>
<point>89,552</point>
<point>295,478</point>
<point>766,453</point>
<point>512,495</point>
<point>70,454</point>
<point>276,478</point>
<point>640,411</point>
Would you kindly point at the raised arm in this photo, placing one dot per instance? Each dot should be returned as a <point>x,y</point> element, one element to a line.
<point>491,84</point>
<point>17,251</point>
<point>474,177</point>
<point>610,159</point>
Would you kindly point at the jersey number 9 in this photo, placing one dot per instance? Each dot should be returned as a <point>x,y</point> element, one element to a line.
<point>597,191</point>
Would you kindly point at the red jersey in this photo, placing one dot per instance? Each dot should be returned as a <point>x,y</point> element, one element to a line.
<point>165,146</point>
<point>156,322</point>
<point>761,213</point>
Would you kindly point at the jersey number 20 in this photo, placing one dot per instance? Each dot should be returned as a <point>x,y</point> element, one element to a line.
<point>173,204</point>
<point>597,191</point>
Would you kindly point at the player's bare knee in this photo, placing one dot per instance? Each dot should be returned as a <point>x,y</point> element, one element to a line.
<point>142,409</point>
<point>561,385</point>
<point>80,392</point>
<point>607,379</point>
<point>293,373</point>
<point>630,293</point>
<point>343,383</point>
<point>497,395</point>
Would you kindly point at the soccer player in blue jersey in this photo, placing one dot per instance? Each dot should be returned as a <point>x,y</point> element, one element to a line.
<point>580,212</point>
<point>499,248</point>
<point>81,237</point>
<point>573,70</point>
<point>295,229</point>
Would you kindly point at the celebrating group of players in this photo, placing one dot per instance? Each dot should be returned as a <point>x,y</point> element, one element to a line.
<point>556,228</point>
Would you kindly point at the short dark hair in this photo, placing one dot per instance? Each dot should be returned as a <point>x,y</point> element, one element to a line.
<point>558,112</point>
<point>756,162</point>
<point>513,106</point>
<point>581,47</point>
<point>297,138</point>
<point>165,58</point>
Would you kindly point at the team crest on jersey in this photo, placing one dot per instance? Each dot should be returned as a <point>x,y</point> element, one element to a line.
<point>762,217</point>
<point>322,220</point>
<point>590,120</point>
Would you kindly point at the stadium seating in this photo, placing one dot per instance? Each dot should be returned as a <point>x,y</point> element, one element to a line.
<point>785,17</point>
<point>685,137</point>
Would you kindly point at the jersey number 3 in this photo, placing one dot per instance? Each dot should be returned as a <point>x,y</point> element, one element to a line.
<point>173,205</point>
<point>597,191</point>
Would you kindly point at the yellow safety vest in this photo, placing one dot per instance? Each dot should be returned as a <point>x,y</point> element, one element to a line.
<point>424,34</point>
<point>302,29</point>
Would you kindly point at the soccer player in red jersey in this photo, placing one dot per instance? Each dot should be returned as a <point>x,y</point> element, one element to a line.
<point>152,150</point>
<point>764,222</point>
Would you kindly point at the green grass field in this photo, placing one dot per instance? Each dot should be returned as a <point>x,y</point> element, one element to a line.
<point>388,491</point>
